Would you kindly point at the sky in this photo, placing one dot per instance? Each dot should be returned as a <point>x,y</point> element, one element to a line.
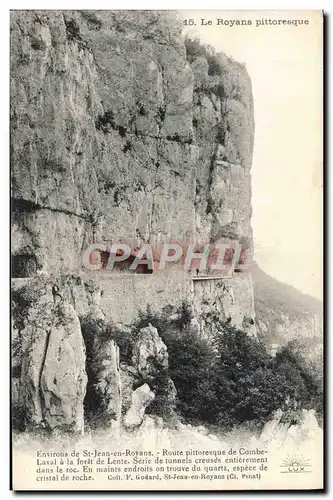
<point>285,66</point>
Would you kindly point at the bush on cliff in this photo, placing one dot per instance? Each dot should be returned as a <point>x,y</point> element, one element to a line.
<point>195,48</point>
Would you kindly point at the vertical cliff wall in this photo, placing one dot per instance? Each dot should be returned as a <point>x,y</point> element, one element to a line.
<point>119,130</point>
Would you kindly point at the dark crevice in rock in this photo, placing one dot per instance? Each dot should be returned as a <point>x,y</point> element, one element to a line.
<point>122,130</point>
<point>161,113</point>
<point>37,44</point>
<point>209,208</point>
<point>24,206</point>
<point>91,20</point>
<point>178,139</point>
<point>105,121</point>
<point>73,33</point>
<point>28,206</point>
<point>40,390</point>
<point>142,110</point>
<point>24,265</point>
<point>127,147</point>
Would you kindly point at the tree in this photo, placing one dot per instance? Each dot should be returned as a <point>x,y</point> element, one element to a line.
<point>191,366</point>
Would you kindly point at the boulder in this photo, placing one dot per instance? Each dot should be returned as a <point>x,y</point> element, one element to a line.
<point>150,355</point>
<point>150,359</point>
<point>141,399</point>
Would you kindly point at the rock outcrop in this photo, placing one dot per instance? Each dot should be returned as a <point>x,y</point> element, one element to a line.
<point>141,399</point>
<point>101,124</point>
<point>150,356</point>
<point>49,354</point>
<point>66,364</point>
<point>150,359</point>
<point>53,377</point>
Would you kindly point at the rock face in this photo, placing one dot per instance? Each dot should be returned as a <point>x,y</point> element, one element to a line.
<point>141,398</point>
<point>120,131</point>
<point>109,115</point>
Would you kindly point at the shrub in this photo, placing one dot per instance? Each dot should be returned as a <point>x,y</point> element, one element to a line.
<point>305,387</point>
<point>233,379</point>
<point>252,385</point>
<point>226,379</point>
<point>191,365</point>
<point>194,48</point>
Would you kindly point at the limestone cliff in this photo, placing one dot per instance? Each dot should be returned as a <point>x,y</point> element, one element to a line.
<point>120,129</point>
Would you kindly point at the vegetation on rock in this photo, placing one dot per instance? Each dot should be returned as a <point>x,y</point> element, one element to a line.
<point>232,379</point>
